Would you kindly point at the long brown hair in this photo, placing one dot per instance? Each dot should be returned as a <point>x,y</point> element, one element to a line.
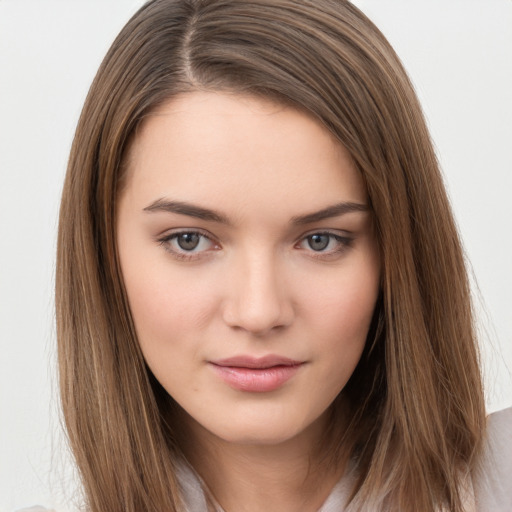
<point>417,396</point>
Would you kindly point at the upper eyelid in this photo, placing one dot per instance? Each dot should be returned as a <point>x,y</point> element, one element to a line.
<point>342,233</point>
<point>169,233</point>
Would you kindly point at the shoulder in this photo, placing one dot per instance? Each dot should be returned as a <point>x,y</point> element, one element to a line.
<point>492,479</point>
<point>36,508</point>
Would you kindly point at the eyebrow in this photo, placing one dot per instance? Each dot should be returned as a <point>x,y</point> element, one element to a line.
<point>182,208</point>
<point>191,210</point>
<point>334,210</point>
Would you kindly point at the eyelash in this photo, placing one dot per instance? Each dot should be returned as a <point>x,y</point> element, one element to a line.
<point>182,254</point>
<point>343,244</point>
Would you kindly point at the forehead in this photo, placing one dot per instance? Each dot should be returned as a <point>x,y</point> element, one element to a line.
<point>217,147</point>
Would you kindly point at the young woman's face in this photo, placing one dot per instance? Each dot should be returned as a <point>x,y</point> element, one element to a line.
<point>250,263</point>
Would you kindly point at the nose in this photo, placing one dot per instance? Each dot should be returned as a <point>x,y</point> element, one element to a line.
<point>258,300</point>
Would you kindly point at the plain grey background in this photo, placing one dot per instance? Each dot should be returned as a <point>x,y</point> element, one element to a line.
<point>459,55</point>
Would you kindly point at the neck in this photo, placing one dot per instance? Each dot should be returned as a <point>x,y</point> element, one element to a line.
<point>288,476</point>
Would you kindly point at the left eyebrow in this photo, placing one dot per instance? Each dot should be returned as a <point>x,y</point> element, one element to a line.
<point>331,211</point>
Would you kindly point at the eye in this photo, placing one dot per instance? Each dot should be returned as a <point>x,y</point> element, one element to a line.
<point>318,242</point>
<point>325,243</point>
<point>188,241</point>
<point>187,244</point>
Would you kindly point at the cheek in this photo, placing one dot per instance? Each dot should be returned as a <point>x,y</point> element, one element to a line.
<point>345,306</point>
<point>166,305</point>
<point>170,317</point>
<point>157,303</point>
<point>342,312</point>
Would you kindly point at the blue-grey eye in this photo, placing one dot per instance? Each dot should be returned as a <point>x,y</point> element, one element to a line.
<point>188,241</point>
<point>188,245</point>
<point>319,241</point>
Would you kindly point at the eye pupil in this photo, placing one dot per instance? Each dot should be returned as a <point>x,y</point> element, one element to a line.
<point>318,242</point>
<point>188,241</point>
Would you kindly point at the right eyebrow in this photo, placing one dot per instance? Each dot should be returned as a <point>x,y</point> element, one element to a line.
<point>189,209</point>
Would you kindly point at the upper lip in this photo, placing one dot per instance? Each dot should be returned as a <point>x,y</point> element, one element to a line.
<point>256,362</point>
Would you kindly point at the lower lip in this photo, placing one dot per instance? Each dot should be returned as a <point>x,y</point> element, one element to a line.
<point>256,380</point>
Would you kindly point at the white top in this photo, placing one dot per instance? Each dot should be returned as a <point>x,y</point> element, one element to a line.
<point>492,481</point>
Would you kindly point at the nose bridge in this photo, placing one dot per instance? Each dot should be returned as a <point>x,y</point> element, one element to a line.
<point>258,300</point>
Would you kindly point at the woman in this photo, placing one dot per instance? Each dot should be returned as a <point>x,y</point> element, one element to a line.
<point>261,295</point>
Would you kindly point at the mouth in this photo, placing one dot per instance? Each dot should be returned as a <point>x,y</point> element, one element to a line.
<point>257,375</point>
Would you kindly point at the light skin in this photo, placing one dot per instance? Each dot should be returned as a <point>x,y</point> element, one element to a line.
<point>244,230</point>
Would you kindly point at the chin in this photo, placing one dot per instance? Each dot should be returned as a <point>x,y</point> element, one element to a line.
<point>256,435</point>
<point>267,430</point>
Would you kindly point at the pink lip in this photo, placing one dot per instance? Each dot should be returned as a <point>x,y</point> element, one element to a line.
<point>246,373</point>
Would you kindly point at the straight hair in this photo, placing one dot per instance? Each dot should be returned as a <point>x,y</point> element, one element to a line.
<point>417,409</point>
